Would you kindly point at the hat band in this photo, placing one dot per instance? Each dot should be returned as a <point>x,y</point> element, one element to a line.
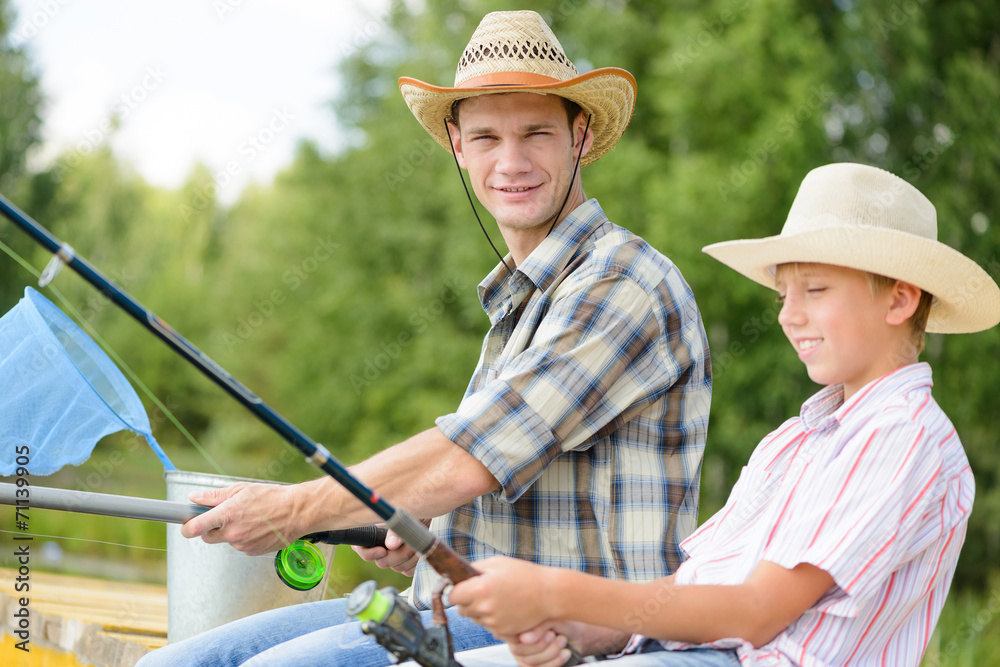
<point>507,79</point>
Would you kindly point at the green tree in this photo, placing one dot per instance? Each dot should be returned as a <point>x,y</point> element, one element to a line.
<point>20,102</point>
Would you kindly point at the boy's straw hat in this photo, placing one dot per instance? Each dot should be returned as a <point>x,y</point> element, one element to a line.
<point>517,52</point>
<point>865,218</point>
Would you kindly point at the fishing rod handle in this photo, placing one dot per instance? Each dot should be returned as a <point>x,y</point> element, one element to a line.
<point>439,555</point>
<point>364,536</point>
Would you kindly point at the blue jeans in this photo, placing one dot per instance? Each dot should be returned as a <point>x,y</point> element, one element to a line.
<point>499,656</point>
<point>315,633</point>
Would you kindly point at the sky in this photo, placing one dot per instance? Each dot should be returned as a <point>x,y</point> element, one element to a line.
<point>233,84</point>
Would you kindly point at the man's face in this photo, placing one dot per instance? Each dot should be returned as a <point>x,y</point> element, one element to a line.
<point>519,151</point>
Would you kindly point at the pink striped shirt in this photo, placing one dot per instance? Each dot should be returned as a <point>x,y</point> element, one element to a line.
<point>877,492</point>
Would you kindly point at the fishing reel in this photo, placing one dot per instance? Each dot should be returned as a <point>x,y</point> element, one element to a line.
<point>301,565</point>
<point>396,625</point>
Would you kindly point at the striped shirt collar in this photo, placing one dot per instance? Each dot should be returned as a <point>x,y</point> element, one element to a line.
<point>827,406</point>
<point>544,264</point>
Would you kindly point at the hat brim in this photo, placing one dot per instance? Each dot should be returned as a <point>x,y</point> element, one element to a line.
<point>966,297</point>
<point>607,94</point>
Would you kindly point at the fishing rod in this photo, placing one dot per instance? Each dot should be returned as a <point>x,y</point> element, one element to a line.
<point>415,534</point>
<point>442,558</point>
<point>300,565</point>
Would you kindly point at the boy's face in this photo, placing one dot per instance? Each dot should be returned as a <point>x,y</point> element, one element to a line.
<point>837,327</point>
<point>520,153</point>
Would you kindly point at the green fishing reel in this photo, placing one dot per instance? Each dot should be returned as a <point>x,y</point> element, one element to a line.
<point>300,565</point>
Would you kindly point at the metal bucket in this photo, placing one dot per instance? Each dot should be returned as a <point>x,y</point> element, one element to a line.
<point>211,584</point>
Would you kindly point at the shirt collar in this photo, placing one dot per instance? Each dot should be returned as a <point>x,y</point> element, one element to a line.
<point>827,406</point>
<point>546,261</point>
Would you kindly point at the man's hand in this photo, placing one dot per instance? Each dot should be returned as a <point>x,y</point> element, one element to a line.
<point>396,555</point>
<point>254,518</point>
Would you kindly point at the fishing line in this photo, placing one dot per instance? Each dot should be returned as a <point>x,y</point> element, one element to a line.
<point>468,196</point>
<point>114,355</point>
<point>573,177</point>
<point>81,539</point>
<point>136,379</point>
<point>113,544</point>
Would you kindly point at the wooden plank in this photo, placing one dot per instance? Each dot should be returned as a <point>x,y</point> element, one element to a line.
<point>83,621</point>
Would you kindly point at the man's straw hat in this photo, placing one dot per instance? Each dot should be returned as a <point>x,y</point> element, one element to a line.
<point>865,218</point>
<point>517,52</point>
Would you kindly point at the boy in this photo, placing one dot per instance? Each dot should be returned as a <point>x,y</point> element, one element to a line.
<point>839,541</point>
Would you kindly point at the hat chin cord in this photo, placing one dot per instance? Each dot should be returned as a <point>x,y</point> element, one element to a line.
<point>555,218</point>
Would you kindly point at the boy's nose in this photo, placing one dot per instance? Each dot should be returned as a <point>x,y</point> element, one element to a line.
<point>791,313</point>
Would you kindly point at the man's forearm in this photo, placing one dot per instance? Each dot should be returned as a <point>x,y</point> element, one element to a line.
<point>426,475</point>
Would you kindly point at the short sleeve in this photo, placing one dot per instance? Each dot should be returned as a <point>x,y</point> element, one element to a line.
<point>862,514</point>
<point>592,360</point>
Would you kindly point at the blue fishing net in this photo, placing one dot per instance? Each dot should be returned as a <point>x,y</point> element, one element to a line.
<point>59,392</point>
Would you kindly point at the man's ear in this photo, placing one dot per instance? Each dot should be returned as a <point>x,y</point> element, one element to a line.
<point>904,299</point>
<point>456,142</point>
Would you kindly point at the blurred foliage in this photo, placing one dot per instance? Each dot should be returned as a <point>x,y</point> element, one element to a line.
<point>344,292</point>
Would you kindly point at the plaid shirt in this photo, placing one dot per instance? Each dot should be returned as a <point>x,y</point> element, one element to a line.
<point>589,405</point>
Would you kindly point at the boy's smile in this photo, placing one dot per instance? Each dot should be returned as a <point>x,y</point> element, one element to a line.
<point>838,329</point>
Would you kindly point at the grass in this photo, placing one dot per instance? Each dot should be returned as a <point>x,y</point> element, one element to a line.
<point>968,633</point>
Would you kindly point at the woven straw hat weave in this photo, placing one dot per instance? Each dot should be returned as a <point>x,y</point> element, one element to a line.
<point>518,52</point>
<point>864,218</point>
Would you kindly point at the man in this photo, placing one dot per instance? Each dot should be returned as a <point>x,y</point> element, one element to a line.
<point>579,440</point>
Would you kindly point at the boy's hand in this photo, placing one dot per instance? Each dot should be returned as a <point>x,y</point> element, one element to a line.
<point>395,555</point>
<point>508,598</point>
